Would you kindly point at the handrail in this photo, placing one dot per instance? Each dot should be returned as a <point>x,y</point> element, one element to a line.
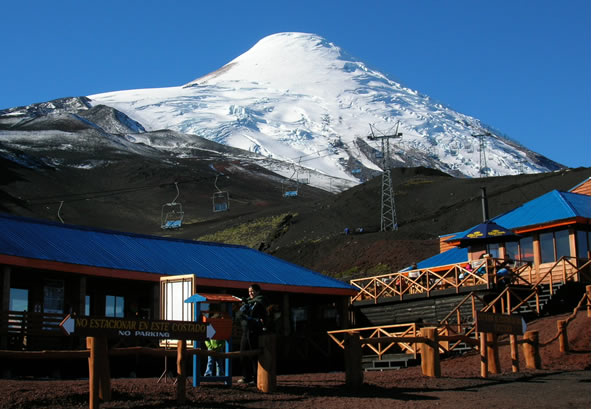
<point>27,323</point>
<point>395,330</point>
<point>421,281</point>
<point>564,261</point>
<point>426,280</point>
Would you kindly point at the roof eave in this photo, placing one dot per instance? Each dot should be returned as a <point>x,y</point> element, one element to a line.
<point>154,277</point>
<point>553,224</point>
<point>78,268</point>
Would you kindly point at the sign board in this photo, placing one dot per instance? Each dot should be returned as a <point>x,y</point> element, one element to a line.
<point>500,323</point>
<point>122,327</point>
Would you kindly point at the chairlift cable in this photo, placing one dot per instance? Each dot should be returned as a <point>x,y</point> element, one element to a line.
<point>60,208</point>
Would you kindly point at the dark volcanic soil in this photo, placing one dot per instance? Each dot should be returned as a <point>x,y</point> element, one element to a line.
<point>127,194</point>
<point>564,382</point>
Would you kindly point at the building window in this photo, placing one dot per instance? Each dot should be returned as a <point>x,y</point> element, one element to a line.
<point>583,244</point>
<point>547,248</point>
<point>114,306</point>
<point>53,297</point>
<point>562,244</point>
<point>175,292</point>
<point>526,249</point>
<point>19,299</point>
<point>87,305</point>
<point>493,249</point>
<point>512,250</point>
<point>554,245</point>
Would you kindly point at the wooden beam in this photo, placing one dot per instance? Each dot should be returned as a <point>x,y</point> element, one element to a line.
<point>531,351</point>
<point>352,363</point>
<point>267,364</point>
<point>430,363</point>
<point>181,373</point>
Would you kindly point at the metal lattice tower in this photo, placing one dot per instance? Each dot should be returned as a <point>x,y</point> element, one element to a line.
<point>388,206</point>
<point>483,169</point>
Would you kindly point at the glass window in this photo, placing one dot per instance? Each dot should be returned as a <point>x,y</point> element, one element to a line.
<point>19,299</point>
<point>87,305</point>
<point>53,296</point>
<point>114,306</point>
<point>526,249</point>
<point>562,244</point>
<point>547,248</point>
<point>493,249</point>
<point>175,294</point>
<point>583,243</point>
<point>512,250</point>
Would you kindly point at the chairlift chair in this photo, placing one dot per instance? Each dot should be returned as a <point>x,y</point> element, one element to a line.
<point>220,199</point>
<point>172,213</point>
<point>291,186</point>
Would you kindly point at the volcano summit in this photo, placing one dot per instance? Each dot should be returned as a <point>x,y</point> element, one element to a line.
<point>301,99</point>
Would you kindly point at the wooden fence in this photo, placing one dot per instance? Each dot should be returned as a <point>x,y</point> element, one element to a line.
<point>430,340</point>
<point>100,382</point>
<point>426,280</point>
<point>455,325</point>
<point>456,276</point>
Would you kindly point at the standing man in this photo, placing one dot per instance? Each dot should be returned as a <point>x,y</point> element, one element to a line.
<point>251,316</point>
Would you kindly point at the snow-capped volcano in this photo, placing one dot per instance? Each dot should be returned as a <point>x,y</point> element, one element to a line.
<point>298,98</point>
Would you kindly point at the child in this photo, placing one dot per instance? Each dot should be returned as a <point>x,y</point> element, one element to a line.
<point>218,346</point>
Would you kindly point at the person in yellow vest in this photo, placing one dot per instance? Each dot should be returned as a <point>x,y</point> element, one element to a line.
<point>218,346</point>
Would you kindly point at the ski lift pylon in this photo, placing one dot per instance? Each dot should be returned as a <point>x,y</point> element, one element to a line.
<point>220,199</point>
<point>172,213</point>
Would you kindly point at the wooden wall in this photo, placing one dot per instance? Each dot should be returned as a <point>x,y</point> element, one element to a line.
<point>422,309</point>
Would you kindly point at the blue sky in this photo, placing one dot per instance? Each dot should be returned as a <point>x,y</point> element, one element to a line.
<point>521,66</point>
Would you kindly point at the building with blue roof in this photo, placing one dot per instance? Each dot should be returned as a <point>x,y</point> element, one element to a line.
<point>548,237</point>
<point>54,269</point>
<point>554,225</point>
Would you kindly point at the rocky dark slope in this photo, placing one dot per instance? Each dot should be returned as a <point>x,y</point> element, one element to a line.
<point>127,192</point>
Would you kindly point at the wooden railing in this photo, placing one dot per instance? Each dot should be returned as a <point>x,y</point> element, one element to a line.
<point>30,323</point>
<point>398,330</point>
<point>458,326</point>
<point>510,300</point>
<point>426,280</point>
<point>563,270</point>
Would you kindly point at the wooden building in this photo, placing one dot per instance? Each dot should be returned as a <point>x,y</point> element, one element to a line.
<point>49,270</point>
<point>552,242</point>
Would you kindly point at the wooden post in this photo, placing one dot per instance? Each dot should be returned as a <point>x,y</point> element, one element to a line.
<point>352,361</point>
<point>563,340</point>
<point>103,363</point>
<point>266,379</point>
<point>483,351</point>
<point>181,372</point>
<point>93,374</point>
<point>530,348</point>
<point>430,353</point>
<point>493,353</point>
<point>513,343</point>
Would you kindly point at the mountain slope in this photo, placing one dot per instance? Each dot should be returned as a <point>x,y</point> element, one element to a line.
<point>298,98</point>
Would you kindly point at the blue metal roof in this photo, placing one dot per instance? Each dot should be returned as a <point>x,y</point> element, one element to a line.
<point>452,256</point>
<point>43,240</point>
<point>548,208</point>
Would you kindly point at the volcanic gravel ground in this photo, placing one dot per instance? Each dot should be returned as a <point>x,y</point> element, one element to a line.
<point>564,382</point>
